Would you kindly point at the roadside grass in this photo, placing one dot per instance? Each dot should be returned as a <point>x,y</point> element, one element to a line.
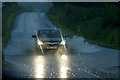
<point>8,15</point>
<point>67,31</point>
<point>0,41</point>
<point>98,25</point>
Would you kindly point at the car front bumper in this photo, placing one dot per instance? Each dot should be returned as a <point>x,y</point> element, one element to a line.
<point>48,46</point>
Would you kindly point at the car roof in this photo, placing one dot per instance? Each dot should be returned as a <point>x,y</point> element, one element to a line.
<point>50,29</point>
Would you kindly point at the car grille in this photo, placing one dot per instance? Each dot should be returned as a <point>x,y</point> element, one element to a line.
<point>52,43</point>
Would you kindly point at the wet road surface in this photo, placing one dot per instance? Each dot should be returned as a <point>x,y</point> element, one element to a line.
<point>81,60</point>
<point>56,65</point>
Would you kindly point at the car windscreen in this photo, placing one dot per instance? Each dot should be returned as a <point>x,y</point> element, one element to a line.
<point>49,34</point>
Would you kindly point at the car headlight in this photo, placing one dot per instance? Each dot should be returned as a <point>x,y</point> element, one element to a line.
<point>63,42</point>
<point>39,42</point>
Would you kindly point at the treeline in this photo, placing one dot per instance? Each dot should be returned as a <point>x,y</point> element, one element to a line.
<point>98,23</point>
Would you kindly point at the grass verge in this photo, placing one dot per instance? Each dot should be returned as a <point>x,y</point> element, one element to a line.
<point>9,13</point>
<point>97,24</point>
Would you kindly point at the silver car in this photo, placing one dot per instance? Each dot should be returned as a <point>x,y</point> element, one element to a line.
<point>50,38</point>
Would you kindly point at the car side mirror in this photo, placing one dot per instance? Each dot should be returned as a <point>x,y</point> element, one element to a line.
<point>34,36</point>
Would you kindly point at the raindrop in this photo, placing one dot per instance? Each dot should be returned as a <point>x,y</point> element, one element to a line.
<point>75,65</point>
<point>24,65</point>
<point>73,75</point>
<point>79,54</point>
<point>30,74</point>
<point>79,69</point>
<point>51,74</point>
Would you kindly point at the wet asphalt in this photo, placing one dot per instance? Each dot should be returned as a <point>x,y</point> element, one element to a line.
<point>53,64</point>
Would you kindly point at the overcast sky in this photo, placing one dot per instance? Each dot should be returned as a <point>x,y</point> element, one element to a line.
<point>59,0</point>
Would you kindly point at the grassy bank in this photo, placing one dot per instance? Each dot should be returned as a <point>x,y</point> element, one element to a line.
<point>9,12</point>
<point>98,23</point>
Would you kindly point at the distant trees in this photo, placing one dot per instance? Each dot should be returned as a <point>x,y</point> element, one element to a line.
<point>9,3</point>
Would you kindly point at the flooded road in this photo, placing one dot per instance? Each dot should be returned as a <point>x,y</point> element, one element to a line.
<point>82,60</point>
<point>58,65</point>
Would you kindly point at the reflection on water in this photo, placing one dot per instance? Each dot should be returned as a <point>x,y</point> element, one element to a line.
<point>63,64</point>
<point>40,64</point>
<point>39,67</point>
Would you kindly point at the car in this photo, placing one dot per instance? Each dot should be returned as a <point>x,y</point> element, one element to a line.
<point>49,38</point>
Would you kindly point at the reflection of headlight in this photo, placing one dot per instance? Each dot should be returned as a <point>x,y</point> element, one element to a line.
<point>64,57</point>
<point>63,42</point>
<point>39,42</point>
